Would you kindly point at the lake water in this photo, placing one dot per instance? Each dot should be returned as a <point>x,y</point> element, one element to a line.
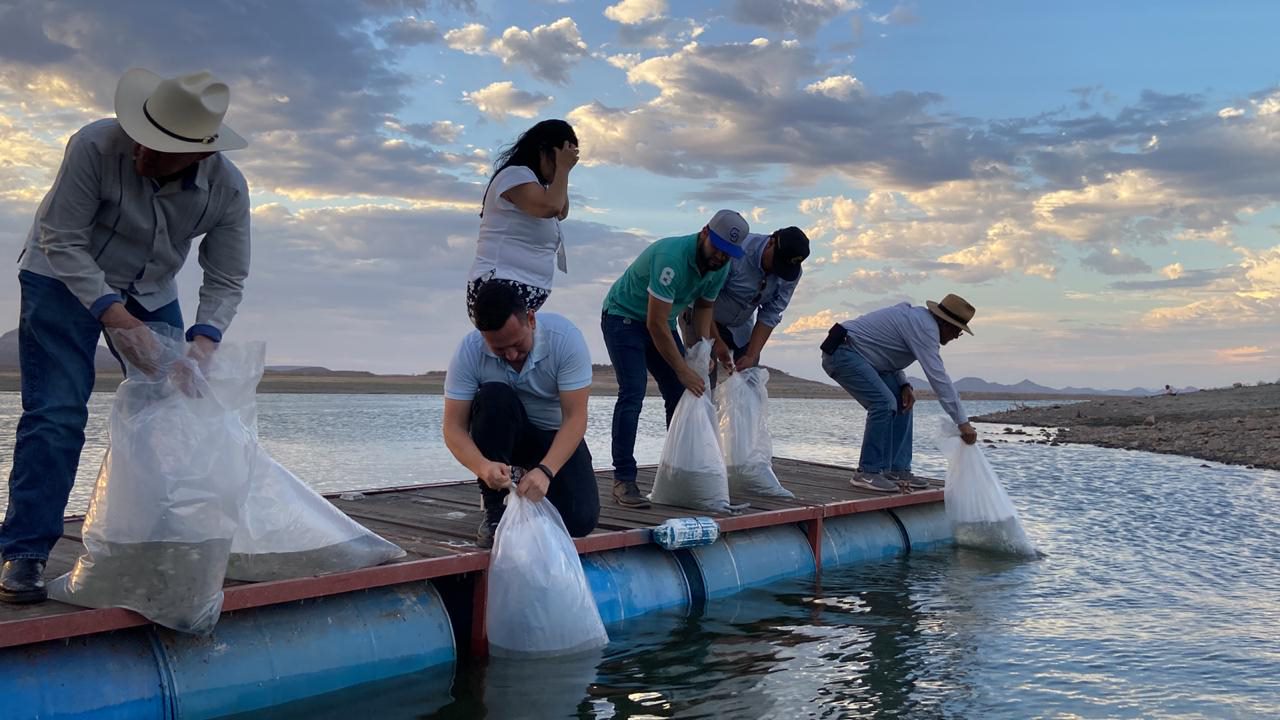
<point>1159,595</point>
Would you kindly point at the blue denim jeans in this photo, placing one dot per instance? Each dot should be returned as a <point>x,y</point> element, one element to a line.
<point>886,440</point>
<point>634,358</point>
<point>57,341</point>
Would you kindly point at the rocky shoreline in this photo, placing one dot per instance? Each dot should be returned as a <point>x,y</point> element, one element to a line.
<point>1239,426</point>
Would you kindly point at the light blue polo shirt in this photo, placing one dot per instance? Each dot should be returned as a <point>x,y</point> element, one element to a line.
<point>559,362</point>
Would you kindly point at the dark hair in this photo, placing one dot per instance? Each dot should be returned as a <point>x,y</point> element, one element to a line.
<point>495,302</point>
<point>527,150</point>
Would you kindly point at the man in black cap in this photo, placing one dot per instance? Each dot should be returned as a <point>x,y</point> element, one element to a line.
<point>759,288</point>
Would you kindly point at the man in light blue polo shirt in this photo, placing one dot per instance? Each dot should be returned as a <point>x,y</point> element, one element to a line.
<point>516,407</point>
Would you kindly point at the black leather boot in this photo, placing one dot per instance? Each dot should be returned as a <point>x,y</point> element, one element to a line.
<point>22,581</point>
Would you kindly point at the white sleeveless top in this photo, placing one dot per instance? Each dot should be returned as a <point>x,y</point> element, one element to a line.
<point>513,244</point>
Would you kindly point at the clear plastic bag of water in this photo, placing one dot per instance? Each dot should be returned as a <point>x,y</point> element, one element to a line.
<point>539,602</point>
<point>981,514</point>
<point>742,403</point>
<point>171,490</point>
<point>691,471</point>
<point>289,530</point>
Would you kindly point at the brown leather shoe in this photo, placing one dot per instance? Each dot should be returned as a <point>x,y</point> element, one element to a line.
<point>628,494</point>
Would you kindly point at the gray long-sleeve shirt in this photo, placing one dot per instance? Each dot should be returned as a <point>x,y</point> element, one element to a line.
<point>894,337</point>
<point>107,232</point>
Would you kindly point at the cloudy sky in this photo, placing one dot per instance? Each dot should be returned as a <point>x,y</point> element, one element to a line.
<point>1101,180</point>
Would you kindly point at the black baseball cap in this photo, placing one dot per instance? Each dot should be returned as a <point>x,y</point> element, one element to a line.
<point>791,250</point>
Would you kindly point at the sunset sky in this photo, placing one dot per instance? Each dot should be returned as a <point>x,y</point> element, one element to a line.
<point>1102,180</point>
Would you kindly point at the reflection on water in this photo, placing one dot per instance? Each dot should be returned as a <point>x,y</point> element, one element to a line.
<point>1159,596</point>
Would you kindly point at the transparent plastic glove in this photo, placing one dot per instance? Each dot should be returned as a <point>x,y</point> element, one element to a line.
<point>142,350</point>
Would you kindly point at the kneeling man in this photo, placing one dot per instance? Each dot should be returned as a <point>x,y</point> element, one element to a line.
<point>516,402</point>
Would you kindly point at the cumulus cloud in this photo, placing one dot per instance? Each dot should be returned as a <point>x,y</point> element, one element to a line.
<point>802,17</point>
<point>822,320</point>
<point>438,132</point>
<point>1115,262</point>
<point>308,137</point>
<point>411,31</point>
<point>500,100</point>
<point>634,12</point>
<point>764,115</point>
<point>548,51</point>
<point>624,61</point>
<point>1247,294</point>
<point>662,33</point>
<point>1091,212</point>
<point>839,87</point>
<point>1008,248</point>
<point>877,282</point>
<point>472,39</point>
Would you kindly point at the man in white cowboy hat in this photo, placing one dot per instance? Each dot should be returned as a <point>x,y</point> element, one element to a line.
<point>108,239</point>
<point>867,356</point>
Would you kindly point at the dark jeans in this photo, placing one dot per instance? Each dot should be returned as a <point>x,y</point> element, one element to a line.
<point>57,341</point>
<point>634,358</point>
<point>502,431</point>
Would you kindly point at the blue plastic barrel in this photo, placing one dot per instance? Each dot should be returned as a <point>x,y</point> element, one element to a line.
<point>278,654</point>
<point>112,676</point>
<point>926,525</point>
<point>861,537</point>
<point>753,557</point>
<point>634,581</point>
<point>254,660</point>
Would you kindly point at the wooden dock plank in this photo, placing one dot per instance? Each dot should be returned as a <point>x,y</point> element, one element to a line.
<point>436,526</point>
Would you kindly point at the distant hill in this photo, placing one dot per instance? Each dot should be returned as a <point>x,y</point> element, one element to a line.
<point>1027,387</point>
<point>315,370</point>
<point>103,361</point>
<point>316,378</point>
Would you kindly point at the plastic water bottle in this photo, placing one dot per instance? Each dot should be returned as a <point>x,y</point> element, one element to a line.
<point>685,532</point>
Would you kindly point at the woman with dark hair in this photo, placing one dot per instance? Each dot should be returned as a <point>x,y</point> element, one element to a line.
<point>527,197</point>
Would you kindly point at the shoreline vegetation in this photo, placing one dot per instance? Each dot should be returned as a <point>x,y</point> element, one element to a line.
<point>355,382</point>
<point>1237,426</point>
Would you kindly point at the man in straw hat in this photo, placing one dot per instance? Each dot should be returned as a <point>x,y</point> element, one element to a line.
<point>867,357</point>
<point>107,242</point>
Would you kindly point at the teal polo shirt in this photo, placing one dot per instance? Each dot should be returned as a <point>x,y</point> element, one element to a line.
<point>667,270</point>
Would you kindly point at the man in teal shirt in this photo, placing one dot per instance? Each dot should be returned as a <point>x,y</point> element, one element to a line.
<point>639,324</point>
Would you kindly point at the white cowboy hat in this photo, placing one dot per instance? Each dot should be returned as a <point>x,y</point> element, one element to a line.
<point>176,115</point>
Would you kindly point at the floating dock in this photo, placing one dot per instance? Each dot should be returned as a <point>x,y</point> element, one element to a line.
<point>284,641</point>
